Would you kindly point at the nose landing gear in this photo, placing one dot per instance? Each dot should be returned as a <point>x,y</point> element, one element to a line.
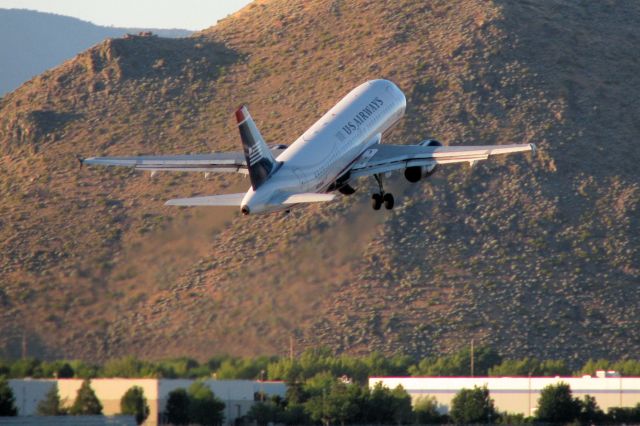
<point>380,198</point>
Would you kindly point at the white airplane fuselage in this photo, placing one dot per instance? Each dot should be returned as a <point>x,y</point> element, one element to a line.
<point>328,149</point>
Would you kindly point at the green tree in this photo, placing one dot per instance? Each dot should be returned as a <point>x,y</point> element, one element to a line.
<point>458,364</point>
<point>266,412</point>
<point>57,369</point>
<point>591,366</point>
<point>204,407</point>
<point>530,366</point>
<point>129,366</point>
<point>86,403</point>
<point>339,402</point>
<point>378,405</point>
<point>83,370</point>
<point>51,405</point>
<point>296,393</point>
<point>590,412</point>
<point>182,367</point>
<point>134,403</point>
<point>5,368</point>
<point>624,415</point>
<point>318,384</point>
<point>7,400</point>
<point>243,368</point>
<point>316,407</point>
<point>557,405</point>
<point>379,365</point>
<point>294,414</point>
<point>25,367</point>
<point>514,419</point>
<point>402,410</point>
<point>384,406</point>
<point>426,410</point>
<point>628,367</point>
<point>516,367</point>
<point>322,360</point>
<point>473,406</point>
<point>346,400</point>
<point>552,367</point>
<point>309,364</point>
<point>177,409</point>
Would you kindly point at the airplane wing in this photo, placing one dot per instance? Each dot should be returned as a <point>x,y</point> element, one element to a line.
<point>386,158</point>
<point>216,162</point>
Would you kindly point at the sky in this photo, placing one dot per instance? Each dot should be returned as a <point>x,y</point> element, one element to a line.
<point>186,14</point>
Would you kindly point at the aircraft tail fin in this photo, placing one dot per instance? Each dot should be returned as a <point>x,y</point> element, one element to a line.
<point>260,161</point>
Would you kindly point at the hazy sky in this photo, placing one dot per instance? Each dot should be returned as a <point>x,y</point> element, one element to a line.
<point>188,14</point>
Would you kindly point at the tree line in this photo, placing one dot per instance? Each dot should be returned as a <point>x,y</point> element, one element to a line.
<point>325,399</point>
<point>487,362</point>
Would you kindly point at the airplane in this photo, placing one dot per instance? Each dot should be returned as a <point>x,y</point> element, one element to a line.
<point>344,145</point>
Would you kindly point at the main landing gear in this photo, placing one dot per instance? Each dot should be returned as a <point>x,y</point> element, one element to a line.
<point>380,198</point>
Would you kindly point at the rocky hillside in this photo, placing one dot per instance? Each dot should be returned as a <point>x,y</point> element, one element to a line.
<point>532,255</point>
<point>31,42</point>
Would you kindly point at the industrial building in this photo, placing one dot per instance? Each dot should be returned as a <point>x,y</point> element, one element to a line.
<point>238,395</point>
<point>520,394</point>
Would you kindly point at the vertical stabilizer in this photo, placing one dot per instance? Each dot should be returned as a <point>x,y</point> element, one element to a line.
<point>260,162</point>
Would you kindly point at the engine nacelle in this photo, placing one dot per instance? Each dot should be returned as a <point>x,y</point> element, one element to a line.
<point>414,174</point>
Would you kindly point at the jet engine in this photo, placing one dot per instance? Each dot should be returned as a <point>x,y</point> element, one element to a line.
<point>414,174</point>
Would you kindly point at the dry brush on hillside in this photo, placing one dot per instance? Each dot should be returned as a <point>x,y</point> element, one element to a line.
<point>534,256</point>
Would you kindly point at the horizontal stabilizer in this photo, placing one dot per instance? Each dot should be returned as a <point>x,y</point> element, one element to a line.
<point>233,200</point>
<point>308,198</point>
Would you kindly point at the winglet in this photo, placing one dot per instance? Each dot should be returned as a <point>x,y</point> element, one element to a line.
<point>534,148</point>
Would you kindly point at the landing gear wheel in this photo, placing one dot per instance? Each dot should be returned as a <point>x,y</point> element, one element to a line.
<point>388,201</point>
<point>376,201</point>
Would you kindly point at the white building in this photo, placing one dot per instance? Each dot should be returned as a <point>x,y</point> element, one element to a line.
<point>519,394</point>
<point>238,395</point>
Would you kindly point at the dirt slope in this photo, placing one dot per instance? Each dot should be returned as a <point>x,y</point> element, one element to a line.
<point>537,256</point>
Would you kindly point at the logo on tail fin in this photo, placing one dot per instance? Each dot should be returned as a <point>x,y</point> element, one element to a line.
<point>260,162</point>
<point>255,155</point>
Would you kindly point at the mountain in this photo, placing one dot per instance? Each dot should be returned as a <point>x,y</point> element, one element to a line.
<point>535,256</point>
<point>32,42</point>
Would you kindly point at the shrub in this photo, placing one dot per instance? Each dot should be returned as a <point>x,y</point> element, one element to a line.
<point>7,400</point>
<point>473,406</point>
<point>204,407</point>
<point>426,410</point>
<point>86,403</point>
<point>177,410</point>
<point>134,403</point>
<point>51,404</point>
<point>557,405</point>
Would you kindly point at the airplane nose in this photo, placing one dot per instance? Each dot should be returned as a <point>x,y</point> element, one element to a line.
<point>245,210</point>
